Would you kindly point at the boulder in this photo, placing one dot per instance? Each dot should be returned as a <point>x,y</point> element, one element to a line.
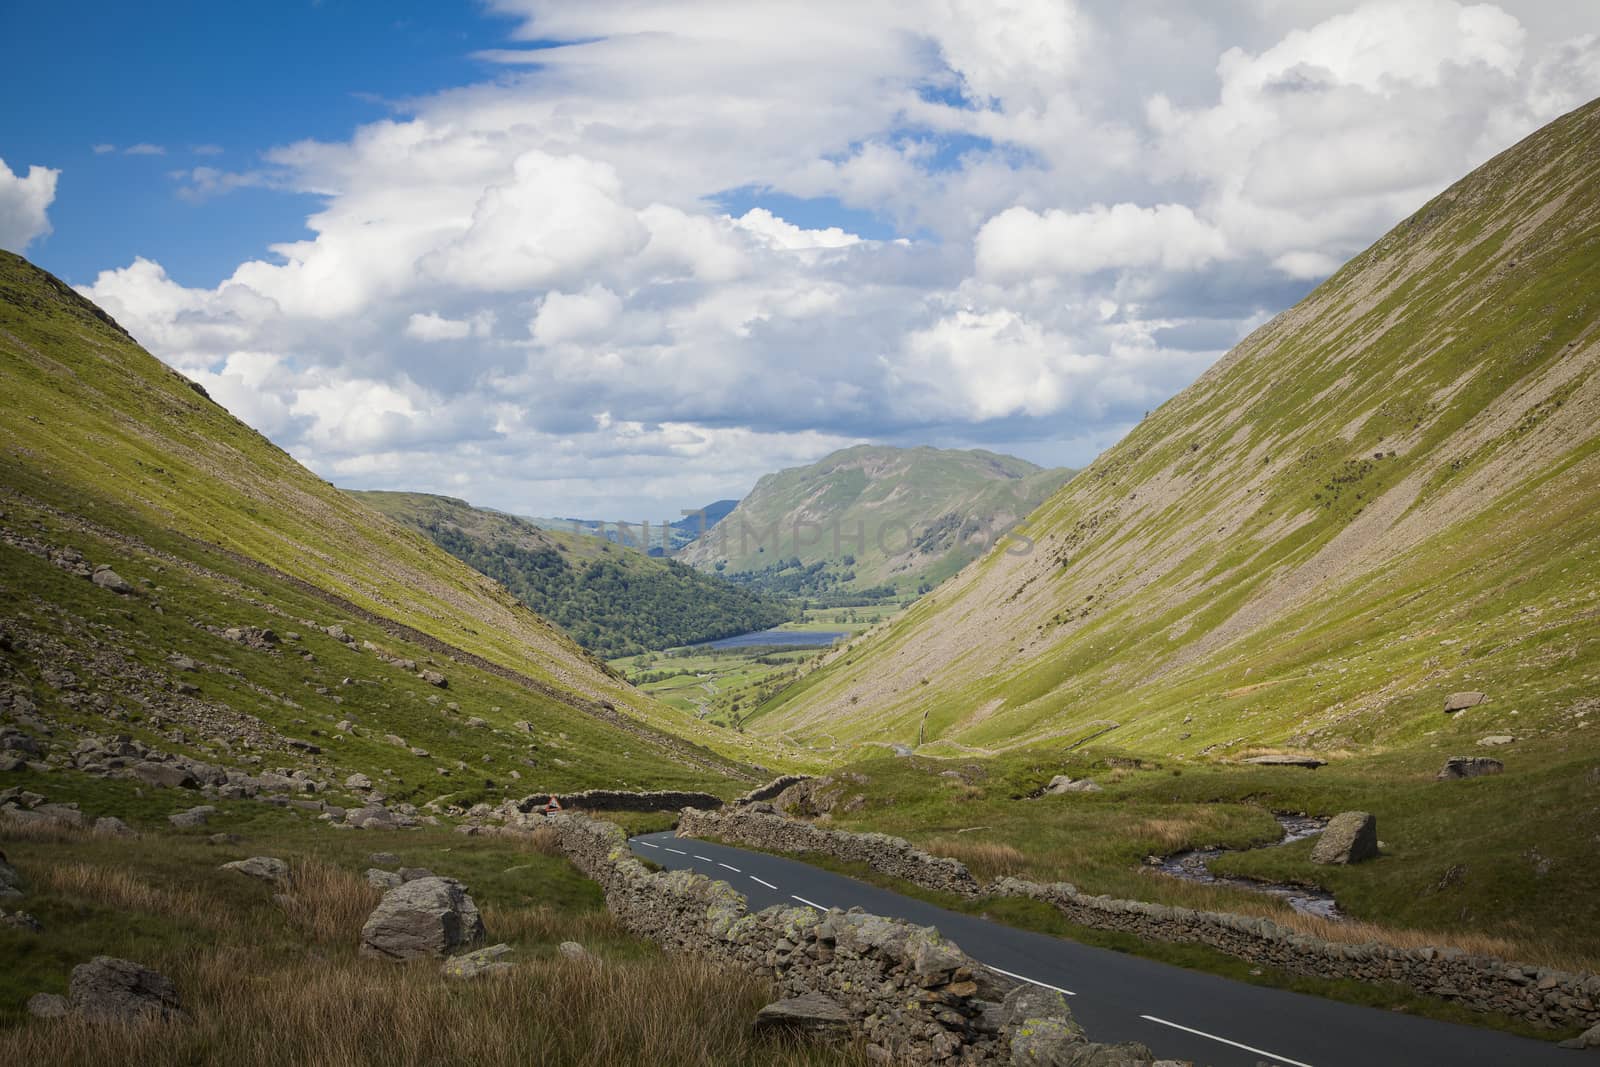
<point>381,879</point>
<point>20,920</point>
<point>1590,1038</point>
<point>384,859</point>
<point>1468,767</point>
<point>425,917</point>
<point>477,964</point>
<point>1350,837</point>
<point>49,1006</point>
<point>164,775</point>
<point>571,950</point>
<point>1462,701</point>
<point>412,874</point>
<point>434,678</point>
<point>111,826</point>
<point>358,783</point>
<point>110,580</point>
<point>1494,740</point>
<point>264,868</point>
<point>1061,783</point>
<point>194,817</point>
<point>813,1014</point>
<point>113,989</point>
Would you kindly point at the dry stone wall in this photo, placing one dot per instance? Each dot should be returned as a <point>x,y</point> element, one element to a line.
<point>623,800</point>
<point>909,994</point>
<point>1543,996</point>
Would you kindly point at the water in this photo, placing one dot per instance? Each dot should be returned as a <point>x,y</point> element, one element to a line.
<point>1195,866</point>
<point>776,639</point>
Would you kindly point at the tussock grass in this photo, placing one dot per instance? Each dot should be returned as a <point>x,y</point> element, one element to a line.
<point>985,859</point>
<point>125,890</point>
<point>327,903</point>
<point>347,1012</point>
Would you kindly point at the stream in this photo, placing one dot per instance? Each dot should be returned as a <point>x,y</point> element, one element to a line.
<point>1195,866</point>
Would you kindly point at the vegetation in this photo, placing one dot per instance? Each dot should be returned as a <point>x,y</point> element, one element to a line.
<point>613,600</point>
<point>270,979</point>
<point>871,522</point>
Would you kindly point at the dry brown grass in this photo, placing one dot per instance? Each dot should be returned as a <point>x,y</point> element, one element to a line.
<point>348,1012</point>
<point>327,903</point>
<point>1169,834</point>
<point>985,859</point>
<point>122,890</point>
<point>547,924</point>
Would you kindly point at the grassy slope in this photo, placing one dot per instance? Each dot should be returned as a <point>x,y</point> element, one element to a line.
<point>889,492</point>
<point>611,598</point>
<point>1243,570</point>
<point>93,427</point>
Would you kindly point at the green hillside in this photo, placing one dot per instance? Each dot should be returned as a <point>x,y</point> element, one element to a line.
<point>1385,495</point>
<point>613,600</point>
<point>107,457</point>
<point>872,519</point>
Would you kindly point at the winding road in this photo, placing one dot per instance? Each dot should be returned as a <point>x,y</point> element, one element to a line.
<point>1178,1013</point>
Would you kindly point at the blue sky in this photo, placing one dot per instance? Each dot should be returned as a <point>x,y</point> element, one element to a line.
<point>241,77</point>
<point>611,258</point>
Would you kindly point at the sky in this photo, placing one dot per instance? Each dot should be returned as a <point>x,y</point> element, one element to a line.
<point>617,259</point>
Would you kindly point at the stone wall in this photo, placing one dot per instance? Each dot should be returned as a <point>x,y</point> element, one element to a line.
<point>910,995</point>
<point>623,800</point>
<point>772,788</point>
<point>1542,996</point>
<point>892,855</point>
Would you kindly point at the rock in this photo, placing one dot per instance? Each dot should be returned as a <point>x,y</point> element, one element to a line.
<point>182,663</point>
<point>49,1006</point>
<point>223,839</point>
<point>372,818</point>
<point>484,961</point>
<point>111,989</point>
<point>1062,784</point>
<point>194,817</point>
<point>813,1015</point>
<point>20,920</point>
<point>573,951</point>
<point>64,814</point>
<point>110,580</point>
<point>358,782</point>
<point>164,775</point>
<point>1040,1026</point>
<point>412,874</point>
<point>381,879</point>
<point>265,868</point>
<point>426,917</point>
<point>1590,1038</point>
<point>1494,740</point>
<point>303,746</point>
<point>1468,767</point>
<point>111,826</point>
<point>1462,701</point>
<point>1350,837</point>
<point>1310,763</point>
<point>434,678</point>
<point>384,859</point>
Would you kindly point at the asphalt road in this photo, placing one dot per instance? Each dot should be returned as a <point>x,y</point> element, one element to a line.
<point>1178,1013</point>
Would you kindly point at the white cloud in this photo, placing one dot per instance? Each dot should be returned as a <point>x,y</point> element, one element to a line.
<point>104,149</point>
<point>25,201</point>
<point>144,148</point>
<point>1089,200</point>
<point>1020,243</point>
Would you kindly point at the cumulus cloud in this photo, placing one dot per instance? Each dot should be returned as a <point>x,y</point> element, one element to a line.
<point>144,148</point>
<point>524,292</point>
<point>25,201</point>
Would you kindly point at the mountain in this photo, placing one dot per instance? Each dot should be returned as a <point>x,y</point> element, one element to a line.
<point>220,546</point>
<point>613,600</point>
<point>657,538</point>
<point>872,519</point>
<point>1385,495</point>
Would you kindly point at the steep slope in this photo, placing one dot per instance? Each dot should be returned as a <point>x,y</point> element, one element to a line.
<point>102,444</point>
<point>1386,494</point>
<point>872,516</point>
<point>657,536</point>
<point>612,599</point>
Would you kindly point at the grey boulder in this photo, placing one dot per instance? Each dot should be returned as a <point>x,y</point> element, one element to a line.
<point>1462,701</point>
<point>112,989</point>
<point>110,580</point>
<point>425,917</point>
<point>1469,767</point>
<point>264,868</point>
<point>49,1006</point>
<point>477,964</point>
<point>194,817</point>
<point>813,1014</point>
<point>1350,837</point>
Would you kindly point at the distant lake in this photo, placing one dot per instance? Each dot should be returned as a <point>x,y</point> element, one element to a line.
<point>771,638</point>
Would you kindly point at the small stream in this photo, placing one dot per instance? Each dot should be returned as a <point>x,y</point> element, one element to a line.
<point>1195,866</point>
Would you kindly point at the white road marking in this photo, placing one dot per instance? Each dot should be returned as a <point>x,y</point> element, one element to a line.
<point>769,885</point>
<point>1225,1041</point>
<point>708,859</point>
<point>1031,981</point>
<point>735,870</point>
<point>679,851</point>
<point>647,844</point>
<point>809,903</point>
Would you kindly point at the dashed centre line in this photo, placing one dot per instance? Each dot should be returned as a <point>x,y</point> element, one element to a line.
<point>678,851</point>
<point>1226,1041</point>
<point>1030,981</point>
<point>808,903</point>
<point>730,867</point>
<point>707,859</point>
<point>763,881</point>
<point>647,844</point>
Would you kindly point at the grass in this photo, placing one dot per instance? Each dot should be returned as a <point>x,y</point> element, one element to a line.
<point>272,977</point>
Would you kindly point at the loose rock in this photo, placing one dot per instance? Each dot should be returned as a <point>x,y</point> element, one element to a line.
<point>49,1006</point>
<point>426,917</point>
<point>110,988</point>
<point>484,961</point>
<point>1350,837</point>
<point>814,1015</point>
<point>264,868</point>
<point>1469,767</point>
<point>1462,701</point>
